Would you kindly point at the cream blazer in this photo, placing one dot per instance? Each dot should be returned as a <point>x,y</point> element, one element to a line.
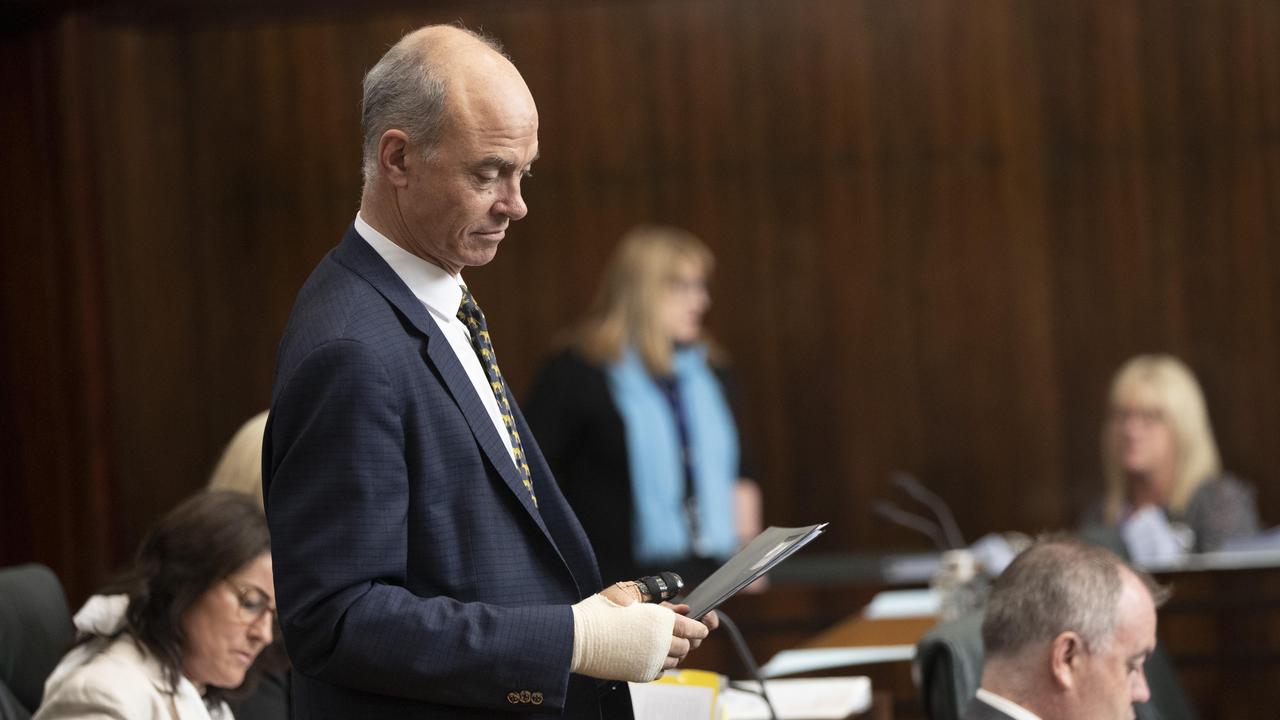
<point>114,679</point>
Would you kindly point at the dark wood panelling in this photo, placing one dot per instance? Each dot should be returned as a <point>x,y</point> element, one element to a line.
<point>940,226</point>
<point>56,495</point>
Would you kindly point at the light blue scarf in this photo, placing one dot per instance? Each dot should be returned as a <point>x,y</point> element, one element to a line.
<point>659,529</point>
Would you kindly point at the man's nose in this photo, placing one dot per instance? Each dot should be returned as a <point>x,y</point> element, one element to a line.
<point>512,203</point>
<point>1141,693</point>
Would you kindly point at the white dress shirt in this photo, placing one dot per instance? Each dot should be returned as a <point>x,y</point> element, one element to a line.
<point>1006,706</point>
<point>441,294</point>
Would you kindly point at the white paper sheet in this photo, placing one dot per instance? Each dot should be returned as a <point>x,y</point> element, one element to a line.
<point>658,701</point>
<point>809,698</point>
<point>792,662</point>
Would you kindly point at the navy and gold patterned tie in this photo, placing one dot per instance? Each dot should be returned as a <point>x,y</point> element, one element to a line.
<point>469,313</point>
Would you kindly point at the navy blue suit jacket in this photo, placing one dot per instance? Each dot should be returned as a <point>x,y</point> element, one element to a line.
<point>414,576</point>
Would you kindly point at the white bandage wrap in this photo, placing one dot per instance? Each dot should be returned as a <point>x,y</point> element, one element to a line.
<point>613,642</point>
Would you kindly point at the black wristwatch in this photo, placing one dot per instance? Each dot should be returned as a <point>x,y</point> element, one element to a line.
<point>659,588</point>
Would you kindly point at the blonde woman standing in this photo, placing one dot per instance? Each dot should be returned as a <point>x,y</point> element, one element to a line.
<point>634,418</point>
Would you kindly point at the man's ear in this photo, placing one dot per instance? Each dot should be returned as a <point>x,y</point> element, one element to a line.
<point>393,149</point>
<point>1066,659</point>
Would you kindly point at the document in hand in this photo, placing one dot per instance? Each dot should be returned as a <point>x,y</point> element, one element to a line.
<point>759,557</point>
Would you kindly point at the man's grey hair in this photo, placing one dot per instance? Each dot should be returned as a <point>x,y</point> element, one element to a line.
<point>1058,585</point>
<point>406,91</point>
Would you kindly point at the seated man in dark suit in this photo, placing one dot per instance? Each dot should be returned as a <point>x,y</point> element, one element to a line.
<point>1067,629</point>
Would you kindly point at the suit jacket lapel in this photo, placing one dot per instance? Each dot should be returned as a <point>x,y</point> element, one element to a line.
<point>464,393</point>
<point>571,539</point>
<point>362,259</point>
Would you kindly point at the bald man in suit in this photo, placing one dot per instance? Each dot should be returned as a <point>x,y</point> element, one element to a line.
<point>427,565</point>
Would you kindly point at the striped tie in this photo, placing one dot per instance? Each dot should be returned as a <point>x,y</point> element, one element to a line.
<point>469,313</point>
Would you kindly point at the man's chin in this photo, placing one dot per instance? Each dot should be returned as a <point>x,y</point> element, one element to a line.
<point>482,255</point>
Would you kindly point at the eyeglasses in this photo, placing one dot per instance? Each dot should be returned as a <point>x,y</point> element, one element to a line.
<point>1145,416</point>
<point>252,603</point>
<point>687,285</point>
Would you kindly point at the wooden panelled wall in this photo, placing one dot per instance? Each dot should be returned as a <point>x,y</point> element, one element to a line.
<point>940,227</point>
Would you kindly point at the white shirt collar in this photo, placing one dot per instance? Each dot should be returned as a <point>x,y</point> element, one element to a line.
<point>434,286</point>
<point>441,293</point>
<point>1006,706</point>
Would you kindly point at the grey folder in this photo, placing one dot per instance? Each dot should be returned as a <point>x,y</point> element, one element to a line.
<point>760,556</point>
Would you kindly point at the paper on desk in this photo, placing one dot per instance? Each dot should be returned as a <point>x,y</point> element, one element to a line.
<point>1152,539</point>
<point>809,698</point>
<point>1265,540</point>
<point>656,701</point>
<point>915,568</point>
<point>792,662</point>
<point>903,603</point>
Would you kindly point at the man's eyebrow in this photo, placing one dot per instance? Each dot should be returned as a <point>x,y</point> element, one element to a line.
<point>1146,652</point>
<point>494,161</point>
<point>498,162</point>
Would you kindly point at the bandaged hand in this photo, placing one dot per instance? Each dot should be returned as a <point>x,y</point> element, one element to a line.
<point>616,637</point>
<point>625,593</point>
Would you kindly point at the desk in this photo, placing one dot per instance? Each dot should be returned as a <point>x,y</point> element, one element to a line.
<point>1221,628</point>
<point>855,641</point>
<point>858,631</point>
<point>825,616</point>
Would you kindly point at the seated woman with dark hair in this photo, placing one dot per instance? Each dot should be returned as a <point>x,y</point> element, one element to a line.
<point>240,469</point>
<point>184,624</point>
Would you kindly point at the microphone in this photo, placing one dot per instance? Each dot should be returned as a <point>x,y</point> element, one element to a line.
<point>659,588</point>
<point>898,516</point>
<point>936,505</point>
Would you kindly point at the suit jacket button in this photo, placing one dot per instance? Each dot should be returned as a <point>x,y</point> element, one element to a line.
<point>537,698</point>
<point>513,698</point>
<point>526,696</point>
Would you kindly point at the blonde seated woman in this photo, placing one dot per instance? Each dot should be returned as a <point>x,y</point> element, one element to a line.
<point>240,467</point>
<point>1166,491</point>
<point>181,628</point>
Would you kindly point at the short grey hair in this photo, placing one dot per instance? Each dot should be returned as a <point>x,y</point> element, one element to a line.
<point>406,91</point>
<point>1055,586</point>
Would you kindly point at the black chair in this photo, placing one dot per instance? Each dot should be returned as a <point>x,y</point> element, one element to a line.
<point>948,670</point>
<point>948,666</point>
<point>35,632</point>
